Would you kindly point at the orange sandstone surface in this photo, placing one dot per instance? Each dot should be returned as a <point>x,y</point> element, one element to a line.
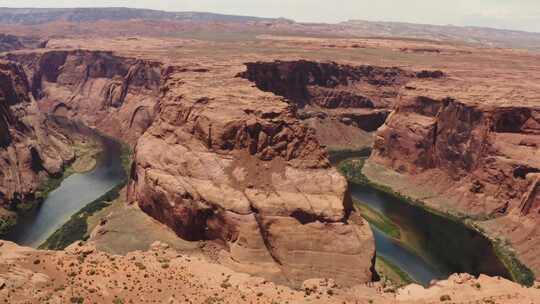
<point>229,141</point>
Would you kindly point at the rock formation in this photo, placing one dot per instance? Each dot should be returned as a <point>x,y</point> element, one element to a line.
<point>244,172</point>
<point>471,159</point>
<point>31,146</point>
<point>115,94</point>
<point>344,103</point>
<point>242,169</point>
<point>489,153</point>
<point>474,160</point>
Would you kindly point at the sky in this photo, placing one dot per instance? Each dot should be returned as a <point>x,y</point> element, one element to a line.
<point>507,14</point>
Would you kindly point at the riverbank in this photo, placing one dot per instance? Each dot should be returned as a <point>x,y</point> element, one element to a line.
<point>377,219</point>
<point>391,274</point>
<point>337,156</point>
<point>86,155</point>
<point>78,226</point>
<point>352,169</point>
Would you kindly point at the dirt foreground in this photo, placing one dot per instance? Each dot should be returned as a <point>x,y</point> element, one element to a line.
<point>82,274</point>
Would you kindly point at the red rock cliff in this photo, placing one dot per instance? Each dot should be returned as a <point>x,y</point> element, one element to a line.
<point>30,147</point>
<point>227,162</point>
<point>115,94</point>
<point>475,160</point>
<point>344,103</point>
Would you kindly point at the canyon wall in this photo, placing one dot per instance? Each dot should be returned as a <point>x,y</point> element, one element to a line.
<point>242,171</point>
<point>489,154</point>
<point>343,103</point>
<point>471,160</point>
<point>10,43</point>
<point>114,94</point>
<point>31,146</point>
<point>229,163</point>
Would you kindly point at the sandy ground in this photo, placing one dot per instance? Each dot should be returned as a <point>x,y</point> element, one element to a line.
<point>82,274</point>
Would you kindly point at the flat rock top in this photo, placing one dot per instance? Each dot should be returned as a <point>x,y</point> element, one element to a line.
<point>226,97</point>
<point>482,76</point>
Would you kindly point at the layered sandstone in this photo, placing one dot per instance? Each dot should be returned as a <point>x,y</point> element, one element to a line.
<point>114,94</point>
<point>31,146</point>
<point>229,163</point>
<point>343,102</point>
<point>468,159</point>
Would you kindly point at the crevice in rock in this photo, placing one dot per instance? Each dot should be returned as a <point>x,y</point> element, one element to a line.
<point>510,120</point>
<point>304,217</point>
<point>430,74</point>
<point>264,234</point>
<point>530,197</point>
<point>36,161</point>
<point>523,171</point>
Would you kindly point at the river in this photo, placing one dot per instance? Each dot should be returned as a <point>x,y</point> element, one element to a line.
<point>431,246</point>
<point>75,192</point>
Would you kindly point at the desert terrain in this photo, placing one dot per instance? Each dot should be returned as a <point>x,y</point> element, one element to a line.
<point>230,196</point>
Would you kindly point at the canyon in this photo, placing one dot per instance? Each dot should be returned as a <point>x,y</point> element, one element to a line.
<point>113,94</point>
<point>231,143</point>
<point>476,161</point>
<point>33,148</point>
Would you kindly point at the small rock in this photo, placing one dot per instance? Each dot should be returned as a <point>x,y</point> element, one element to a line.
<point>40,279</point>
<point>157,245</point>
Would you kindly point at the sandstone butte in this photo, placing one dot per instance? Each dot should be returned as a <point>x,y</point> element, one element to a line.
<point>229,142</point>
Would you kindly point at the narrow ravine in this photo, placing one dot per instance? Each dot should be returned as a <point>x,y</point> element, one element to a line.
<point>428,246</point>
<point>75,192</point>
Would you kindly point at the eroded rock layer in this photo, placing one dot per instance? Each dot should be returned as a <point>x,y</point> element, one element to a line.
<point>344,103</point>
<point>224,164</point>
<point>490,153</point>
<point>31,146</point>
<point>480,161</point>
<point>115,94</point>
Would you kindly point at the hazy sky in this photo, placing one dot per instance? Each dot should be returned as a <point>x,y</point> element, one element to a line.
<point>511,14</point>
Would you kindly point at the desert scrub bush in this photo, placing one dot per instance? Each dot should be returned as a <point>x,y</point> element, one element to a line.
<point>445,298</point>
